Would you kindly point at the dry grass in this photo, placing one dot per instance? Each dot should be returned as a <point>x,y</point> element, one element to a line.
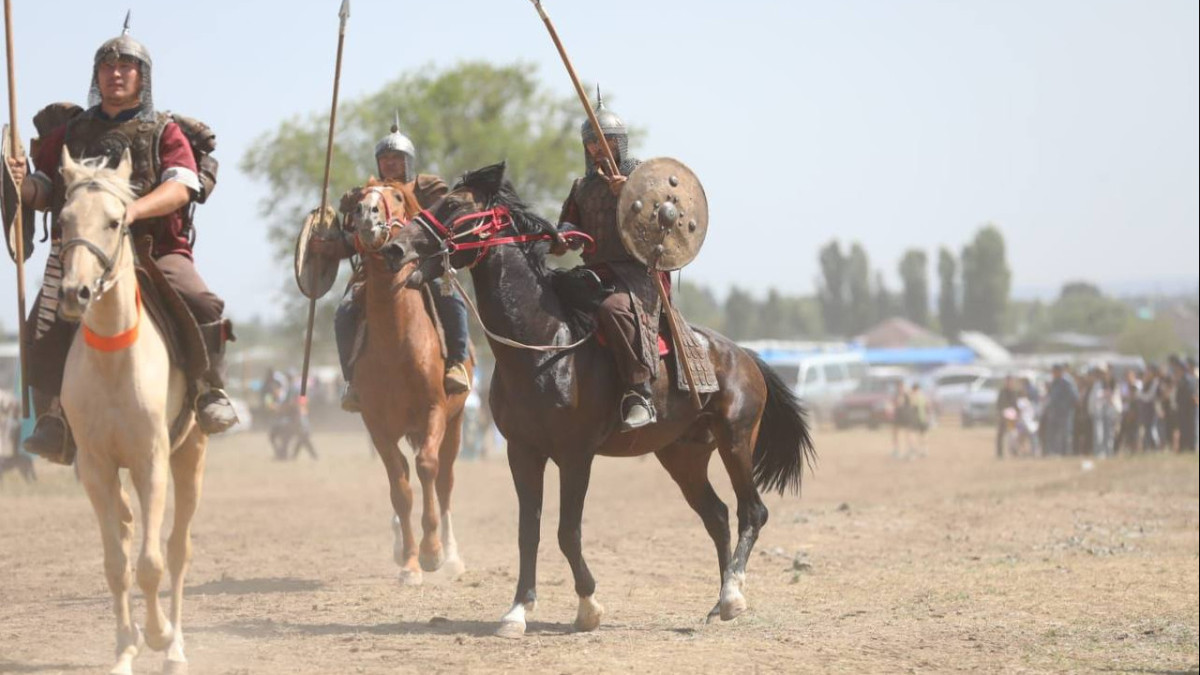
<point>951,562</point>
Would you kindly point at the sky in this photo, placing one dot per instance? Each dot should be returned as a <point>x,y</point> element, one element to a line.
<point>1070,124</point>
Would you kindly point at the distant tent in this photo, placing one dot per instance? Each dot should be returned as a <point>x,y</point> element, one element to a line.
<point>986,349</point>
<point>898,333</point>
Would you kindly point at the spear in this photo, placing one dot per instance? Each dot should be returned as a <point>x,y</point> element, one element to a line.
<point>611,169</point>
<point>343,14</point>
<point>18,225</point>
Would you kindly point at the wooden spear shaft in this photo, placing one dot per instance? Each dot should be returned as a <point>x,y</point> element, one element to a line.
<point>343,14</point>
<point>612,169</point>
<point>18,225</point>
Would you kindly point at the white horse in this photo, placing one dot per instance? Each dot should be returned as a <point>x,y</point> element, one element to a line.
<point>121,393</point>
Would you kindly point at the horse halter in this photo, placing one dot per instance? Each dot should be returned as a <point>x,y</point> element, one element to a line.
<point>107,260</point>
<point>388,221</point>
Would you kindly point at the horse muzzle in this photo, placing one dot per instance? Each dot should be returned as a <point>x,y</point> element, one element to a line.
<point>73,301</point>
<point>397,255</point>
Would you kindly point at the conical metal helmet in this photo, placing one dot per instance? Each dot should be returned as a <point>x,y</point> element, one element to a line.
<point>614,130</point>
<point>398,142</point>
<point>610,122</point>
<point>124,46</point>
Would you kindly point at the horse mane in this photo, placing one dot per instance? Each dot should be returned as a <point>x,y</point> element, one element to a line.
<point>525,219</point>
<point>93,172</point>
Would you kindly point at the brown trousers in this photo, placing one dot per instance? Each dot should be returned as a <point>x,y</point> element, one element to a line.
<point>48,351</point>
<point>618,324</point>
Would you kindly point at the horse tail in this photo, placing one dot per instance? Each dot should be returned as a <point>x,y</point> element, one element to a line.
<point>784,443</point>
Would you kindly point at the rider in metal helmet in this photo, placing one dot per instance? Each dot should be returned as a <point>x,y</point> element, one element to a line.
<point>614,132</point>
<point>398,142</point>
<point>116,49</point>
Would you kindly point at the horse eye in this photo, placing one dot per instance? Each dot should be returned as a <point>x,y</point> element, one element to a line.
<point>374,209</point>
<point>114,224</point>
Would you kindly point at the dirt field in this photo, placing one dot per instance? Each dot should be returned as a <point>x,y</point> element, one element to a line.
<point>950,562</point>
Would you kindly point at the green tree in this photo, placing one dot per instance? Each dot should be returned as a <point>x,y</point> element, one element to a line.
<point>986,282</point>
<point>914,273</point>
<point>741,315</point>
<point>1153,340</point>
<point>460,118</point>
<point>948,315</point>
<point>858,286</point>
<point>700,305</point>
<point>831,289</point>
<point>886,304</point>
<point>1082,308</point>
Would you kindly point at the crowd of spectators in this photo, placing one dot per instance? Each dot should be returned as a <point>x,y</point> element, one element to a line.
<point>1100,412</point>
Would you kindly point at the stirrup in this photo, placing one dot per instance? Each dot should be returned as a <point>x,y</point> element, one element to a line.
<point>631,405</point>
<point>214,411</point>
<point>350,402</point>
<point>60,450</point>
<point>457,380</point>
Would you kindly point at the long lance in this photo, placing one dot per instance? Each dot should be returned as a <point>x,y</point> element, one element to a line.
<point>612,171</point>
<point>611,168</point>
<point>343,14</point>
<point>18,225</point>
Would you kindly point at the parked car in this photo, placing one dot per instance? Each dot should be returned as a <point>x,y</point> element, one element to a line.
<point>820,379</point>
<point>871,403</point>
<point>979,406</point>
<point>951,384</point>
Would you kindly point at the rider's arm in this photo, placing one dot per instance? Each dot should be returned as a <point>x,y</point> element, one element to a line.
<point>178,183</point>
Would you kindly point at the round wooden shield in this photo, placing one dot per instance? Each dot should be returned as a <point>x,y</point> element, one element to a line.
<point>315,273</point>
<point>662,214</point>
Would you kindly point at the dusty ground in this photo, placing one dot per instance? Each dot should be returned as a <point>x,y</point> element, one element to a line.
<point>951,562</point>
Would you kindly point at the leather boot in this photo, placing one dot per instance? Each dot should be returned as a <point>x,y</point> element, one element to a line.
<point>637,407</point>
<point>214,411</point>
<point>51,438</point>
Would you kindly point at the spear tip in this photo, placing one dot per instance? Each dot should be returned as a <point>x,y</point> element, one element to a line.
<point>344,12</point>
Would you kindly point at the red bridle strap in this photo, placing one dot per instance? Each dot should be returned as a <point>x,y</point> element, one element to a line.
<point>492,222</point>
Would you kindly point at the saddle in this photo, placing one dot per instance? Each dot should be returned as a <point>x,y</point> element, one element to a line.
<point>581,291</point>
<point>178,326</point>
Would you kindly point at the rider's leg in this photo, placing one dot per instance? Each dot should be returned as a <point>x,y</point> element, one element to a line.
<point>214,412</point>
<point>345,329</point>
<point>453,313</point>
<point>46,360</point>
<point>619,325</point>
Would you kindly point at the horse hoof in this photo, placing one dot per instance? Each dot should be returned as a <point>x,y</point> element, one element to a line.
<point>160,641</point>
<point>410,577</point>
<point>511,630</point>
<point>713,614</point>
<point>733,607</point>
<point>454,567</point>
<point>432,562</point>
<point>588,618</point>
<point>175,668</point>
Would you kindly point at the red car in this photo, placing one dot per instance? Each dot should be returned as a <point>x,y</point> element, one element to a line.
<point>871,403</point>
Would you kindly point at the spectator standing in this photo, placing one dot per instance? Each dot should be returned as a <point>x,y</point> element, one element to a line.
<point>1007,399</point>
<point>1147,404</point>
<point>1185,404</point>
<point>1059,415</point>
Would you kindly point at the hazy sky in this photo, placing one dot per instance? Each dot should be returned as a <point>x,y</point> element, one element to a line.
<point>1072,124</point>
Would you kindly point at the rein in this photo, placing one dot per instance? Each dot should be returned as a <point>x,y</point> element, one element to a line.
<point>491,222</point>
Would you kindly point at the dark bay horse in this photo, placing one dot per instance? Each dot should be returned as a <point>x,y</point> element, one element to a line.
<point>562,405</point>
<point>399,380</point>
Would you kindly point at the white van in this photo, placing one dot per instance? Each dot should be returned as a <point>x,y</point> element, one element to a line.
<point>819,374</point>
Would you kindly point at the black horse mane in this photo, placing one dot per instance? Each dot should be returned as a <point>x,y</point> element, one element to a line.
<point>490,181</point>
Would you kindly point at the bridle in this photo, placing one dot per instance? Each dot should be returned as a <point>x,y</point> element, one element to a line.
<point>486,225</point>
<point>389,221</point>
<point>108,261</point>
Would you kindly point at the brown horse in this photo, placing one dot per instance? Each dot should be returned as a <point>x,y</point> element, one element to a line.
<point>399,380</point>
<point>561,405</point>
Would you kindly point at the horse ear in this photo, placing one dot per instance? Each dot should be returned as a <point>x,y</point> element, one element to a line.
<point>69,166</point>
<point>125,168</point>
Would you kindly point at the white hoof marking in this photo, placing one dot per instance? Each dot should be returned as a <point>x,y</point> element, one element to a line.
<point>588,617</point>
